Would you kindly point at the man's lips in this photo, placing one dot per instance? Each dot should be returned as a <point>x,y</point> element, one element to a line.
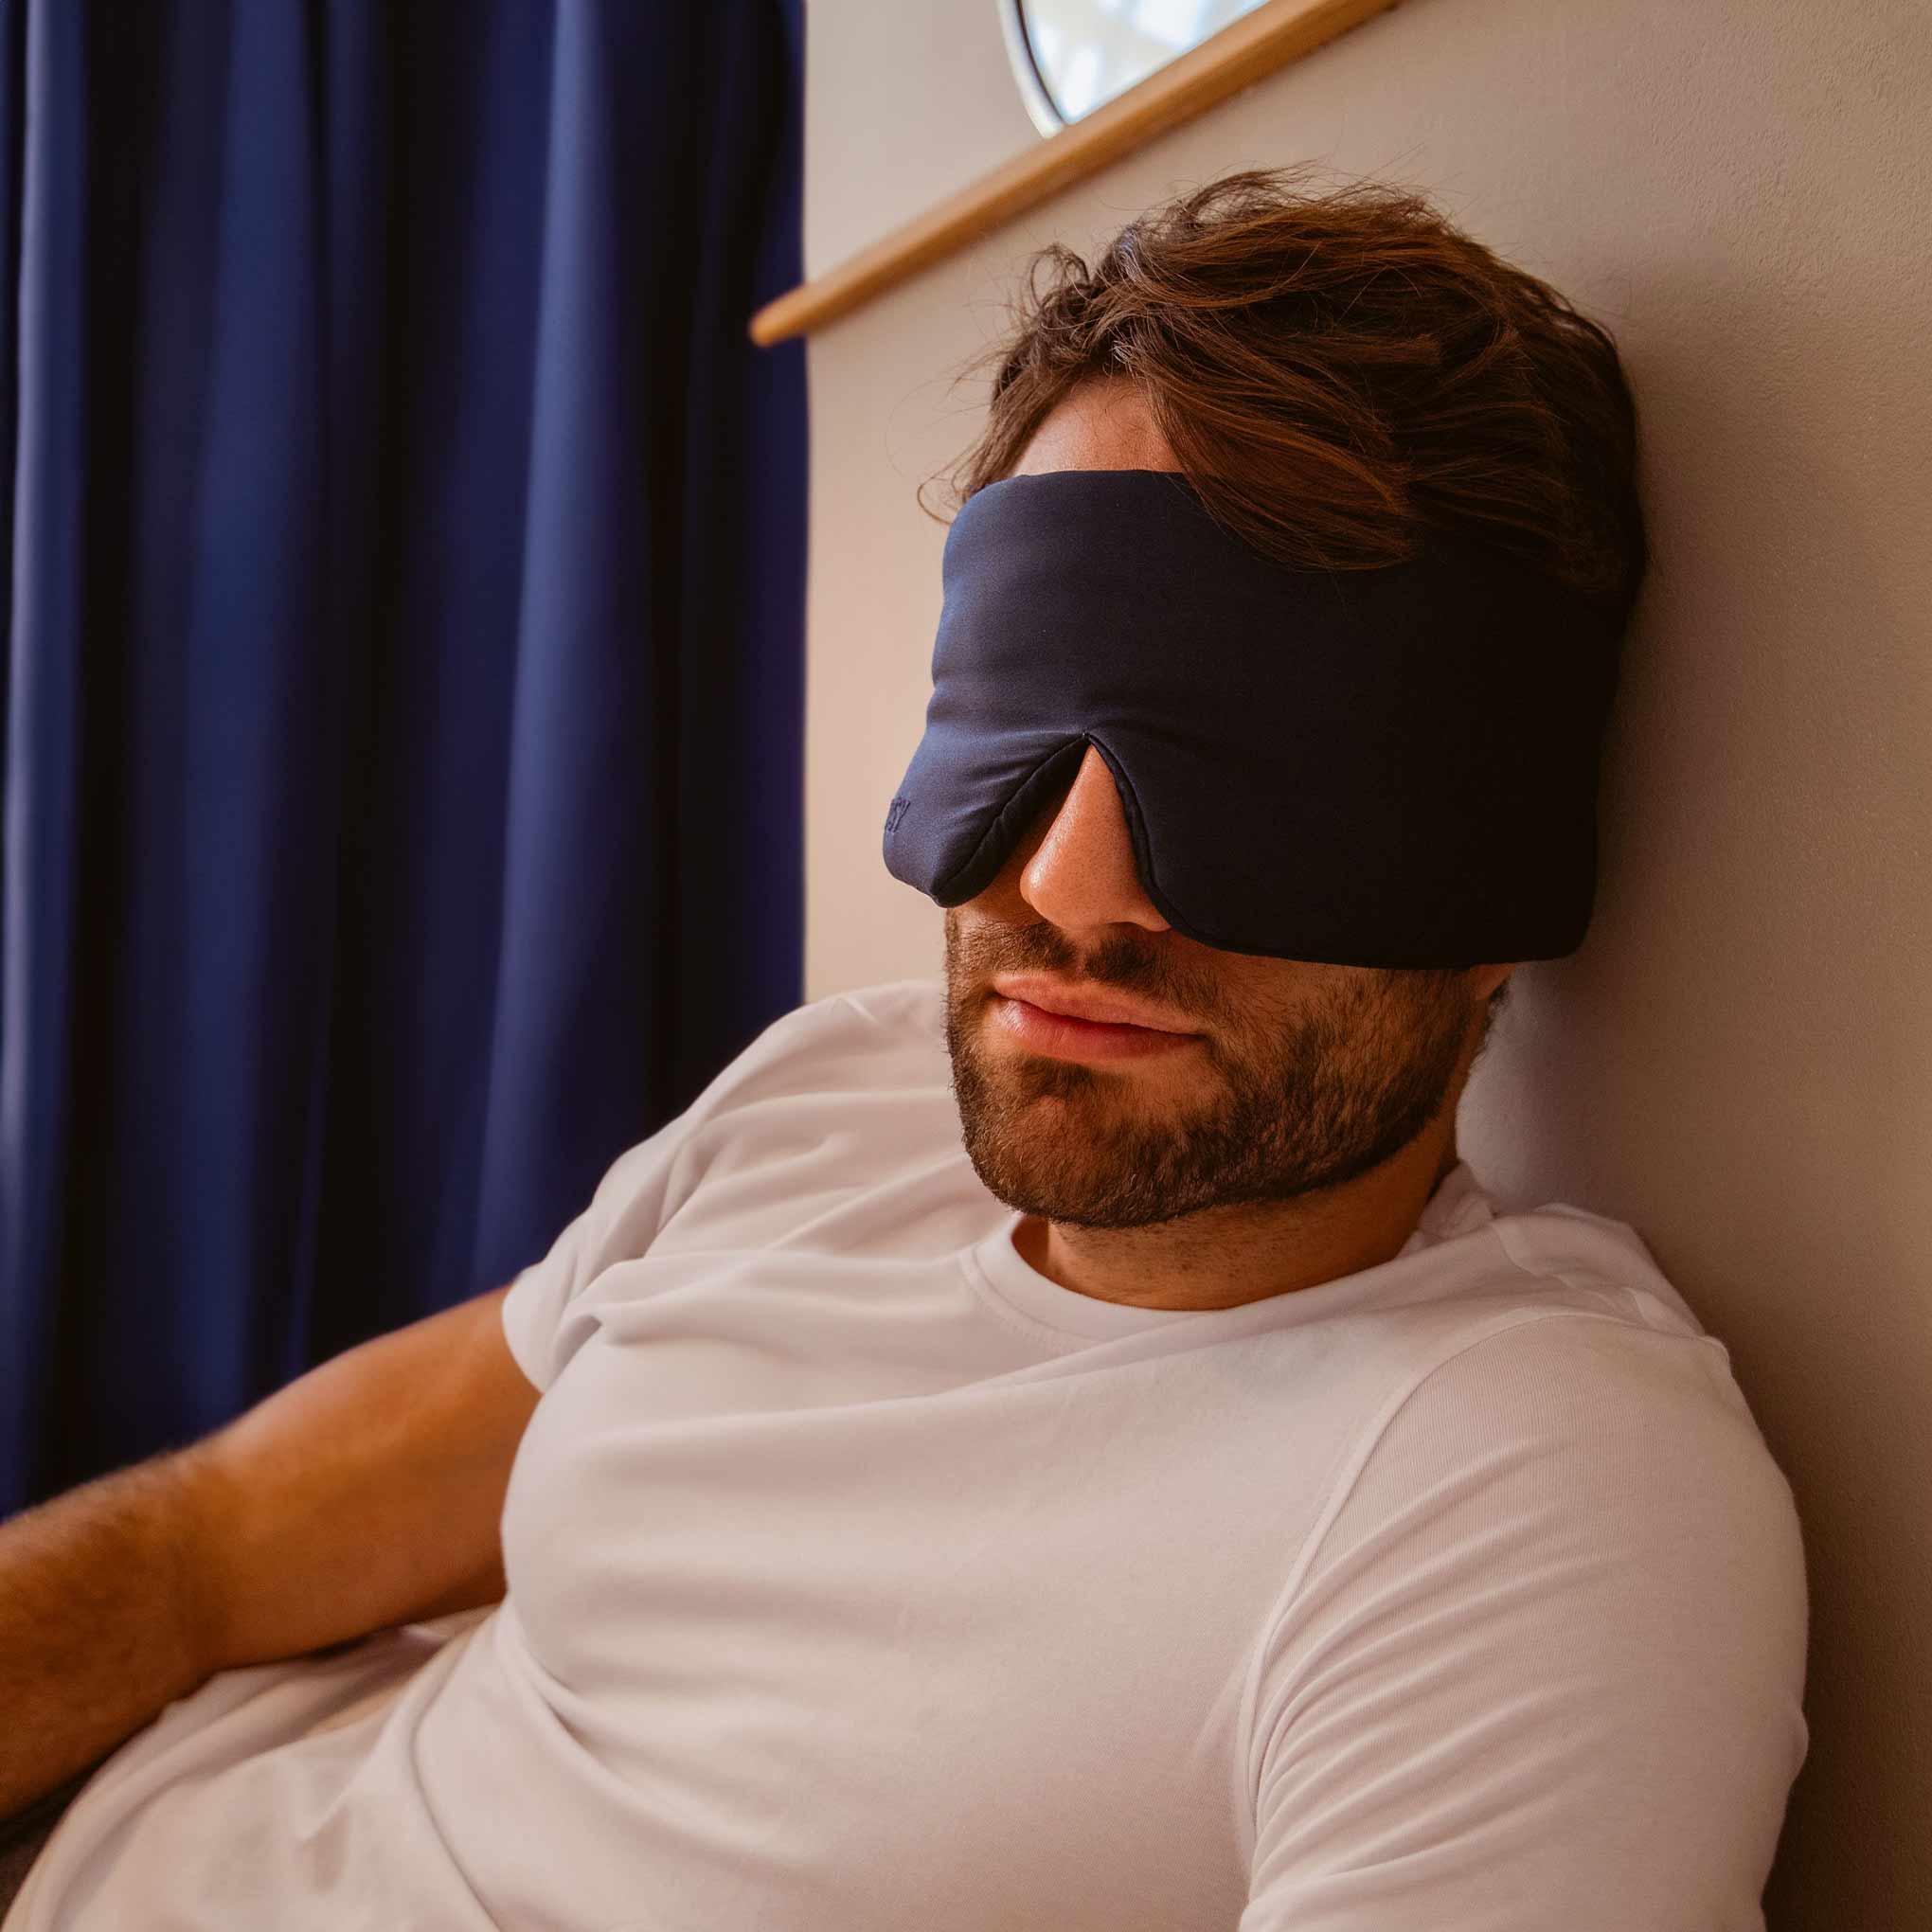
<point>1074,1003</point>
<point>1067,1025</point>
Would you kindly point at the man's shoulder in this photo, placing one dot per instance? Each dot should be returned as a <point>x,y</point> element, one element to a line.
<point>874,1038</point>
<point>1521,1321</point>
<point>1582,1401</point>
<point>1538,1369</point>
<point>1567,1548</point>
<point>911,1009</point>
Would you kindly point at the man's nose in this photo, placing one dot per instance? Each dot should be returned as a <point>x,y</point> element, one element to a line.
<point>1082,873</point>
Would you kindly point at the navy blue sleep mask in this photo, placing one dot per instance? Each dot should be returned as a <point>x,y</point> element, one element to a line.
<point>1388,767</point>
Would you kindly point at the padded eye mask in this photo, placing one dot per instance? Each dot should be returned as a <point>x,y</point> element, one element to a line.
<point>1390,767</point>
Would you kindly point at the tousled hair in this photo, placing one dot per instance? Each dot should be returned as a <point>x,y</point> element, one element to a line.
<point>1338,370</point>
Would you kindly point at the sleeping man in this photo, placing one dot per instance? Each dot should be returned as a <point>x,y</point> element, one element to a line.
<point>1065,1443</point>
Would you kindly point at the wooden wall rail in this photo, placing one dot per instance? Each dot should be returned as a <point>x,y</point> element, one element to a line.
<point>1237,56</point>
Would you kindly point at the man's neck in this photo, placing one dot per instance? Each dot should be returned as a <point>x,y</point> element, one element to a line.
<point>1227,1257</point>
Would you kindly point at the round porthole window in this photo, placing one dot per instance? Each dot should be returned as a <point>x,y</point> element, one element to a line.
<point>1073,56</point>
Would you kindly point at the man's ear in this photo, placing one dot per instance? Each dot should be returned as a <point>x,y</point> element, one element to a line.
<point>1484,980</point>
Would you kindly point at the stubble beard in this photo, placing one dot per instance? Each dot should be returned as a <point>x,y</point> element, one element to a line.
<point>1283,1104</point>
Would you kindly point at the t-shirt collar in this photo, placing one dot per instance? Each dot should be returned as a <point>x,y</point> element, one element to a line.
<point>1459,1205</point>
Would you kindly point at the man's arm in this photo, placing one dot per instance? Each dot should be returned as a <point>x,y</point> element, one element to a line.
<point>367,1493</point>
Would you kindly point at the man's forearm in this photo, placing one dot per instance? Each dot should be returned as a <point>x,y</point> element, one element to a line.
<point>98,1622</point>
<point>366,1493</point>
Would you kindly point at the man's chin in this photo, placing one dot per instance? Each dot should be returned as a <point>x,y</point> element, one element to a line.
<point>1011,1173</point>
<point>1074,1154</point>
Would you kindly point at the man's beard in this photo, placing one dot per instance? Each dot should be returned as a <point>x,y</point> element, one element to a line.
<point>1291,1100</point>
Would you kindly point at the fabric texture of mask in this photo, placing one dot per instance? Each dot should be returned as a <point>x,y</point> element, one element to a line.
<point>1391,767</point>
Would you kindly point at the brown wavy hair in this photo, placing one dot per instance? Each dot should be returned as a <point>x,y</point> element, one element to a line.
<point>1338,369</point>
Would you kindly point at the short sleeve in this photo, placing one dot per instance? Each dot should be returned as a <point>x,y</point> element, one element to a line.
<point>1545,1665</point>
<point>623,1215</point>
<point>639,1192</point>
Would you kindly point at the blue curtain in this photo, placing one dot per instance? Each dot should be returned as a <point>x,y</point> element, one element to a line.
<point>403,681</point>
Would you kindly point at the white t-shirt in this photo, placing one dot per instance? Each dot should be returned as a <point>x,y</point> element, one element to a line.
<point>860,1577</point>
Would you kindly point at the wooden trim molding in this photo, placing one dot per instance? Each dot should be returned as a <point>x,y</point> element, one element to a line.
<point>1242,53</point>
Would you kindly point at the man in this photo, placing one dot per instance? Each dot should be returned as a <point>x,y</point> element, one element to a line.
<point>1069,1444</point>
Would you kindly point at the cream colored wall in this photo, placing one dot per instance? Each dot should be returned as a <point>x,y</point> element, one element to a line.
<point>1740,1059</point>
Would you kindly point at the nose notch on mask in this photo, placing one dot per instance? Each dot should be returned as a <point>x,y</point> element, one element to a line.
<point>1045,785</point>
<point>1069,777</point>
<point>1070,761</point>
<point>1102,879</point>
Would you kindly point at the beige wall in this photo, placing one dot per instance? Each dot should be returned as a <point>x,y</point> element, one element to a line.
<point>1740,1059</point>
